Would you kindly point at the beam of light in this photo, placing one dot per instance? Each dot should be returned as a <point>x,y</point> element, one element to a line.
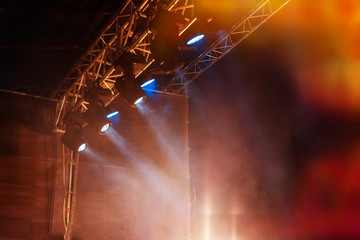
<point>233,227</point>
<point>236,210</point>
<point>105,127</point>
<point>112,114</point>
<point>139,101</point>
<point>82,147</point>
<point>195,39</point>
<point>160,182</point>
<point>207,221</point>
<point>94,156</point>
<point>156,119</point>
<point>148,87</point>
<point>147,83</point>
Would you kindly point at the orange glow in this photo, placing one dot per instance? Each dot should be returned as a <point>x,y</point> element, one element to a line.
<point>224,5</point>
<point>233,227</point>
<point>328,63</point>
<point>207,222</point>
<point>323,47</point>
<point>223,12</point>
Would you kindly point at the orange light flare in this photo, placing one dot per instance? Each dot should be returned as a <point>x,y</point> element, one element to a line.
<point>223,12</point>
<point>326,52</point>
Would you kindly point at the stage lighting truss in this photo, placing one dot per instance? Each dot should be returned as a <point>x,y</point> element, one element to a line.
<point>128,31</point>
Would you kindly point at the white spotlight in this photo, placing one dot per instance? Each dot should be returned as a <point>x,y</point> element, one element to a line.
<point>147,82</point>
<point>195,39</point>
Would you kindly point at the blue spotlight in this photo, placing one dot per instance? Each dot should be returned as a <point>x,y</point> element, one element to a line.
<point>105,127</point>
<point>195,39</point>
<point>82,147</point>
<point>147,82</point>
<point>112,114</point>
<point>139,100</point>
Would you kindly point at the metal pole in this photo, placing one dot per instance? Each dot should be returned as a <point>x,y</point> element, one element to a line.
<point>73,171</point>
<point>187,165</point>
<point>68,207</point>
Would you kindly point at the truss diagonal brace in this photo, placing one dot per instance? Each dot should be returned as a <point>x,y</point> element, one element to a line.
<point>232,37</point>
<point>128,31</point>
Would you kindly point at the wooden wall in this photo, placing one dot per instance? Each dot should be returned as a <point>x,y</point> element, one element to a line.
<point>28,167</point>
<point>131,182</point>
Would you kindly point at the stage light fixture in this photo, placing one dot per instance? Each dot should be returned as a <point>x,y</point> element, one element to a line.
<point>96,113</point>
<point>73,136</point>
<point>74,139</point>
<point>105,127</point>
<point>132,94</point>
<point>96,117</point>
<point>127,85</point>
<point>164,45</point>
<point>195,39</point>
<point>112,114</point>
<point>139,101</point>
<point>82,147</point>
<point>148,82</point>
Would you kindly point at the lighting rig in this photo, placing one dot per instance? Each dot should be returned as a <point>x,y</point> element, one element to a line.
<point>134,31</point>
<point>120,55</point>
<point>136,41</point>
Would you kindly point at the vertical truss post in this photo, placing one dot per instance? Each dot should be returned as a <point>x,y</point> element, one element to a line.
<point>70,194</point>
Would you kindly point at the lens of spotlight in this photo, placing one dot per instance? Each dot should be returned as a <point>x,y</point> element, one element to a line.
<point>73,138</point>
<point>105,127</point>
<point>147,82</point>
<point>112,114</point>
<point>139,101</point>
<point>82,147</point>
<point>195,39</point>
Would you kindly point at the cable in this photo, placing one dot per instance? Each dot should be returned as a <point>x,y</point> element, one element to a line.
<point>65,192</point>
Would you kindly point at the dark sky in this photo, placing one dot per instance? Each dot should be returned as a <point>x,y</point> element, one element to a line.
<point>40,42</point>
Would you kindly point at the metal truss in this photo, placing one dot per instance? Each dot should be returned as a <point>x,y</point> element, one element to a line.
<point>128,31</point>
<point>232,37</point>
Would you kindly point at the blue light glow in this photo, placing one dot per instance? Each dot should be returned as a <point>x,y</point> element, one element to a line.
<point>112,114</point>
<point>147,82</point>
<point>195,39</point>
<point>139,100</point>
<point>105,127</point>
<point>82,147</point>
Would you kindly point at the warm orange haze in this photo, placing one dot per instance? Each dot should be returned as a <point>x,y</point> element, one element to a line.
<point>252,132</point>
